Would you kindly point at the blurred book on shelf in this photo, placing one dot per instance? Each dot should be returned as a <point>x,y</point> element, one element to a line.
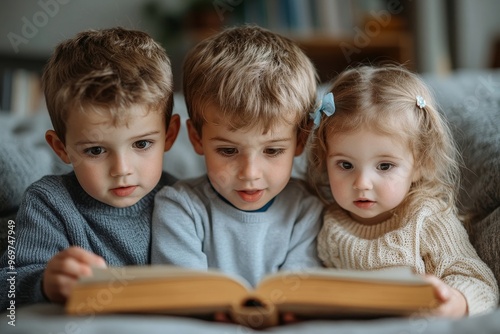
<point>20,91</point>
<point>337,34</point>
<point>20,84</point>
<point>301,17</point>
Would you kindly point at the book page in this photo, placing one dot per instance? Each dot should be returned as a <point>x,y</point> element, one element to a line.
<point>164,272</point>
<point>400,275</point>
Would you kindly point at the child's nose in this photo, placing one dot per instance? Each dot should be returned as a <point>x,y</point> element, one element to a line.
<point>249,169</point>
<point>362,182</point>
<point>121,165</point>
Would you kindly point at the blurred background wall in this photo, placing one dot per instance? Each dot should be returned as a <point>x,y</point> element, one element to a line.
<point>428,36</point>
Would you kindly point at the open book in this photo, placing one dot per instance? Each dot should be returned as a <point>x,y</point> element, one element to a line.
<point>318,293</point>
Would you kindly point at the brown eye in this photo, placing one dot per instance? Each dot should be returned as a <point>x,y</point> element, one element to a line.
<point>96,150</point>
<point>385,166</point>
<point>227,151</point>
<point>143,144</point>
<point>274,151</point>
<point>345,165</point>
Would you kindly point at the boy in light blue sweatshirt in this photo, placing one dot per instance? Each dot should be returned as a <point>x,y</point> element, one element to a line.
<point>249,93</point>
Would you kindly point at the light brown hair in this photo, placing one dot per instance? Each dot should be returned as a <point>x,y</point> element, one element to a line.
<point>107,71</point>
<point>383,99</point>
<point>252,76</point>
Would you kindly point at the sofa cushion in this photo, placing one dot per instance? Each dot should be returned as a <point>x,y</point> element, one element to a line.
<point>471,102</point>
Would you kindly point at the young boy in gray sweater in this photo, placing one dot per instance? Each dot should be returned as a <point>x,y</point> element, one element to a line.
<point>249,93</point>
<point>110,97</point>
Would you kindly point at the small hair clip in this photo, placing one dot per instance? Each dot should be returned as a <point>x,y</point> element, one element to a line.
<point>420,102</point>
<point>327,107</point>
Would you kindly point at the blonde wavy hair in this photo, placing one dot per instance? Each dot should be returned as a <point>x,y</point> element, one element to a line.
<point>384,99</point>
<point>107,71</point>
<point>252,76</point>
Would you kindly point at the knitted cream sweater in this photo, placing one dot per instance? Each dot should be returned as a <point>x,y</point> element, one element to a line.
<point>425,238</point>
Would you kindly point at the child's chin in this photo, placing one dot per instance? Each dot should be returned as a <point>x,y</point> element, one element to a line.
<point>121,202</point>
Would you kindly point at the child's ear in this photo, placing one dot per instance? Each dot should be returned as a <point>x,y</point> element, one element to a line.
<point>417,175</point>
<point>302,136</point>
<point>57,146</point>
<point>194,137</point>
<point>172,131</point>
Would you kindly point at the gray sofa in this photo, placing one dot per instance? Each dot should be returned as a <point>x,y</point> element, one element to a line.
<point>471,101</point>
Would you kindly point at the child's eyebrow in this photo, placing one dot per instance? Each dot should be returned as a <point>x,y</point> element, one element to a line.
<point>277,140</point>
<point>221,139</point>
<point>150,133</point>
<point>338,154</point>
<point>378,157</point>
<point>96,142</point>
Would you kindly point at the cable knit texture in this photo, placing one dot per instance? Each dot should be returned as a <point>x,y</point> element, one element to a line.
<point>425,238</point>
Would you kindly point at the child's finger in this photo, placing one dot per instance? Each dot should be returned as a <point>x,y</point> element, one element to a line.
<point>221,317</point>
<point>75,262</point>
<point>441,289</point>
<point>85,257</point>
<point>67,266</point>
<point>289,318</point>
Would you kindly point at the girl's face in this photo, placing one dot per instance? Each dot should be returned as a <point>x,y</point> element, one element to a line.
<point>370,174</point>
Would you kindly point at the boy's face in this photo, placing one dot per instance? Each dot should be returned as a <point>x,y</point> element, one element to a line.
<point>116,164</point>
<point>370,174</point>
<point>247,167</point>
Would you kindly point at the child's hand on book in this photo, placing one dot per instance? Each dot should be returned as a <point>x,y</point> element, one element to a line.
<point>453,303</point>
<point>64,269</point>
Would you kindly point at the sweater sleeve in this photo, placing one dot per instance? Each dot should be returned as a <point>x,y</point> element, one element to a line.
<point>39,235</point>
<point>449,255</point>
<point>177,231</point>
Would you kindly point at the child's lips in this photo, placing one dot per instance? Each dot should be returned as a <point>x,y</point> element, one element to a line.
<point>364,203</point>
<point>250,195</point>
<point>123,191</point>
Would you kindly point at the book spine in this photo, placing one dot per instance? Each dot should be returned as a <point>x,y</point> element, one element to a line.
<point>254,314</point>
<point>22,92</point>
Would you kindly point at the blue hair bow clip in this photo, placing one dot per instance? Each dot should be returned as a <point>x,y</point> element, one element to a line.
<point>327,107</point>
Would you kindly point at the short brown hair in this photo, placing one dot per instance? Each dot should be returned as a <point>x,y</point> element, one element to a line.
<point>253,76</point>
<point>107,71</point>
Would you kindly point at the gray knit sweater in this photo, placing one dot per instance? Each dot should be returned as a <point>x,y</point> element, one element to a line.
<point>57,213</point>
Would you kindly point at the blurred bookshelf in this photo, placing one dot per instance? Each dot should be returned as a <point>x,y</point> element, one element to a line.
<point>337,34</point>
<point>332,55</point>
<point>20,85</point>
